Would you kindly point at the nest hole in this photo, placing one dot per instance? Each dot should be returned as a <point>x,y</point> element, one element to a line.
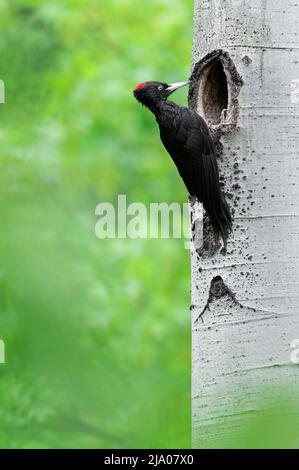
<point>214,89</point>
<point>214,93</point>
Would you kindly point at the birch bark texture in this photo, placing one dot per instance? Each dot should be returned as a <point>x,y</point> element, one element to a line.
<point>245,304</point>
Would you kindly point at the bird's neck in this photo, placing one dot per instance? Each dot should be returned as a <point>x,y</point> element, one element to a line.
<point>164,111</point>
<point>160,108</point>
<point>155,107</point>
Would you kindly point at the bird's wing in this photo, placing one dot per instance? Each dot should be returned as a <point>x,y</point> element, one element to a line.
<point>193,152</point>
<point>192,149</point>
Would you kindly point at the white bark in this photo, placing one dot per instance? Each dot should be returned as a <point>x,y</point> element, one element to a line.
<point>241,342</point>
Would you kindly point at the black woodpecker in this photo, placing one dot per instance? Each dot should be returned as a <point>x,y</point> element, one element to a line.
<point>186,137</point>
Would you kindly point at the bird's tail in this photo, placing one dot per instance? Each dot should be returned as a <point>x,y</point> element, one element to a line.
<point>220,218</point>
<point>213,199</point>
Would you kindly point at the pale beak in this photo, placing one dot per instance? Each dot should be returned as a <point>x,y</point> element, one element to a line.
<point>174,86</point>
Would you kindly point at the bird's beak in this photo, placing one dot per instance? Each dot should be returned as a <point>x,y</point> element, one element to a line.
<point>174,86</point>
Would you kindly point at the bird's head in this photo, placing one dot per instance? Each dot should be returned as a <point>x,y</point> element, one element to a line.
<point>150,94</point>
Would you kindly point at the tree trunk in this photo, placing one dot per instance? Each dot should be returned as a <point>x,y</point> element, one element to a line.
<point>245,303</point>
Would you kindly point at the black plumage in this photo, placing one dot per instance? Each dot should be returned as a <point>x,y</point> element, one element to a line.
<point>186,137</point>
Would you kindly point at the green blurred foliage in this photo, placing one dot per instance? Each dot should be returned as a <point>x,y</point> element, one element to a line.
<point>97,332</point>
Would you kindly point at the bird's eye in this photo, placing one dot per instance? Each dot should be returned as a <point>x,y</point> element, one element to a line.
<point>160,87</point>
